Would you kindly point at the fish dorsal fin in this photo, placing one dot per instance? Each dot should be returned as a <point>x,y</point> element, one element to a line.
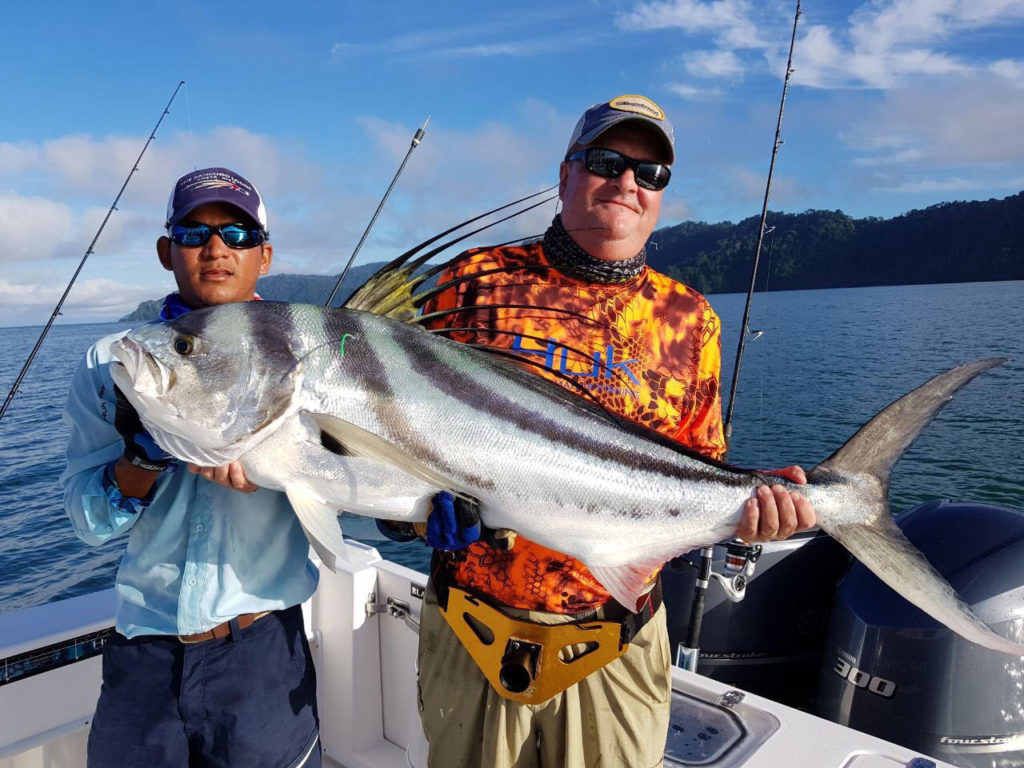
<point>389,292</point>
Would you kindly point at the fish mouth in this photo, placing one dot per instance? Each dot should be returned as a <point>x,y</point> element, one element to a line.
<point>144,374</point>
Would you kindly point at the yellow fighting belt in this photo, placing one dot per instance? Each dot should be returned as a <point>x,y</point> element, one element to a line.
<point>525,661</point>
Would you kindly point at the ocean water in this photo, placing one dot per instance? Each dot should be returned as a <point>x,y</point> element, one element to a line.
<point>827,361</point>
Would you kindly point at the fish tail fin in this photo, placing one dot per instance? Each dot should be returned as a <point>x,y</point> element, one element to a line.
<point>880,443</point>
<point>865,463</point>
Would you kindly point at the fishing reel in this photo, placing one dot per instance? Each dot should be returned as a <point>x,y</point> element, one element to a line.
<point>740,560</point>
<point>737,566</point>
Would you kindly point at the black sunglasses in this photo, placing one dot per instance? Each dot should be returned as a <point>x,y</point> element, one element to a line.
<point>611,164</point>
<point>234,235</point>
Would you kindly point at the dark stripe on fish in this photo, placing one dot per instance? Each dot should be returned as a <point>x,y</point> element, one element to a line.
<point>525,416</point>
<point>373,376</point>
<point>274,332</point>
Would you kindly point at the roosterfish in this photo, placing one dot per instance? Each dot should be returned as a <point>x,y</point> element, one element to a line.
<point>361,409</point>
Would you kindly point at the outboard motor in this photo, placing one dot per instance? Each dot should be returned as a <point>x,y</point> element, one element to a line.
<point>894,672</point>
<point>764,623</point>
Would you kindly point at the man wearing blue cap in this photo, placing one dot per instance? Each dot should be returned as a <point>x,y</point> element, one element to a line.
<point>209,664</point>
<point>650,350</point>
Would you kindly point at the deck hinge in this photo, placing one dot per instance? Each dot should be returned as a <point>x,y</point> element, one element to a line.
<point>397,609</point>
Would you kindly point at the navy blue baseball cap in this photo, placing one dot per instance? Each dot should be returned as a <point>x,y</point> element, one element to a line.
<point>215,185</point>
<point>630,107</point>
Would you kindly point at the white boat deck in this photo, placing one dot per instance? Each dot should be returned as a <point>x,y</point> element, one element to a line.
<point>367,683</point>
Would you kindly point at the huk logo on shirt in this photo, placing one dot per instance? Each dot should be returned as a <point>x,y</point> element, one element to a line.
<point>556,358</point>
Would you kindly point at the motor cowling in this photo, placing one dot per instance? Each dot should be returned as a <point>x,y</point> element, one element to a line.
<point>890,670</point>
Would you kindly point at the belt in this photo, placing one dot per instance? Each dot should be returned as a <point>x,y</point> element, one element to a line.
<point>530,662</point>
<point>244,621</point>
<point>631,622</point>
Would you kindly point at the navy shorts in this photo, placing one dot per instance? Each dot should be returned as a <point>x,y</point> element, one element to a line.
<point>248,700</point>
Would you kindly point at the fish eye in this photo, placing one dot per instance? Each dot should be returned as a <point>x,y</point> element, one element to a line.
<point>184,345</point>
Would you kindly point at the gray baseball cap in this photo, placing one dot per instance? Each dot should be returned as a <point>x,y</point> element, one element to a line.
<point>628,107</point>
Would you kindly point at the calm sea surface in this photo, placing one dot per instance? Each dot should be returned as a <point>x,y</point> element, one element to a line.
<point>828,360</point>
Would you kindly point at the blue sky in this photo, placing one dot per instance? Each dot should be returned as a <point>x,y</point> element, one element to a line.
<point>894,105</point>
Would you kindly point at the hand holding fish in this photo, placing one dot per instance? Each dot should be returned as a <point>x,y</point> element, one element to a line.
<point>775,512</point>
<point>230,476</point>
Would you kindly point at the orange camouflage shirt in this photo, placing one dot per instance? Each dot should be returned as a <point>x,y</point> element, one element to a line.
<point>648,349</point>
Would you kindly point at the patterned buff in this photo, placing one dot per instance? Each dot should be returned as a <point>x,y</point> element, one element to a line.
<point>569,259</point>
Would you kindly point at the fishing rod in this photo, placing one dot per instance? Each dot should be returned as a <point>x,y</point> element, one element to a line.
<point>417,137</point>
<point>88,252</point>
<point>689,652</point>
<point>744,327</point>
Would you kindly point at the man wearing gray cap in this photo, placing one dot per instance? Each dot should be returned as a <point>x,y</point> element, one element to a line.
<point>209,664</point>
<point>646,348</point>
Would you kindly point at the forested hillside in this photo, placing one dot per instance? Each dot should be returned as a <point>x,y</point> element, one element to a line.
<point>945,243</point>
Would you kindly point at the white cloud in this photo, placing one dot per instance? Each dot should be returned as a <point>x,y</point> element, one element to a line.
<point>889,43</point>
<point>953,184</point>
<point>19,157</point>
<point>748,185</point>
<point>1010,69</point>
<point>712,64</point>
<point>674,209</point>
<point>693,93</point>
<point>316,213</point>
<point>884,44</point>
<point>89,299</point>
<point>942,127</point>
<point>820,61</point>
<point>896,157</point>
<point>729,21</point>
<point>33,228</point>
<point>457,174</point>
<point>885,26</point>
<point>514,35</point>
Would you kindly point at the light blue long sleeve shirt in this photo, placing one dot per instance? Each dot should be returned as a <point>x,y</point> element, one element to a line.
<point>199,554</point>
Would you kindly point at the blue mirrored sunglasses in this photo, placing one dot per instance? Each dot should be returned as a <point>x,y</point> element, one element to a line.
<point>611,164</point>
<point>233,235</point>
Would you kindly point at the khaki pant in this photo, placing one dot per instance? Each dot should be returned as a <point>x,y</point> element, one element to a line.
<point>615,718</point>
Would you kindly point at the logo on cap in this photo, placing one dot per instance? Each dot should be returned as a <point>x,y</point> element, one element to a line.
<point>215,184</point>
<point>637,104</point>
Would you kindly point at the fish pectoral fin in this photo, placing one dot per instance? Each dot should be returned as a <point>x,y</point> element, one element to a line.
<point>319,521</point>
<point>626,583</point>
<point>360,443</point>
